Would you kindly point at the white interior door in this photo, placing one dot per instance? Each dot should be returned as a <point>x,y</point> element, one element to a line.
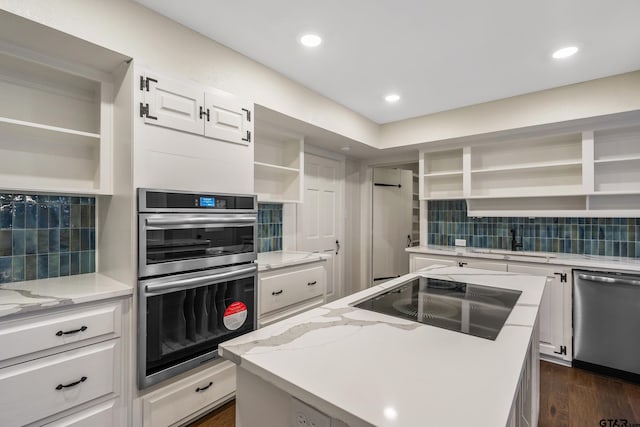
<point>392,216</point>
<point>320,216</point>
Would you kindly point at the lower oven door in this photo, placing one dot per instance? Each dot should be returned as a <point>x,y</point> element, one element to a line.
<point>183,318</point>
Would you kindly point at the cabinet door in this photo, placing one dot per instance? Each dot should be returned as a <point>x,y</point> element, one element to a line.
<point>228,118</point>
<point>482,265</point>
<point>172,104</point>
<point>551,308</point>
<point>419,262</point>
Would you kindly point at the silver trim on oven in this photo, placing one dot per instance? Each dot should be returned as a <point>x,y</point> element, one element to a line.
<point>190,281</point>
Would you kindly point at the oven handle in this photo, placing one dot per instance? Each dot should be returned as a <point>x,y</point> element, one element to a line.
<point>195,281</point>
<point>200,220</point>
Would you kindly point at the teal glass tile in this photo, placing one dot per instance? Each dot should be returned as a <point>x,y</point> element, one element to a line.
<point>35,229</point>
<point>18,268</point>
<point>6,242</point>
<point>5,269</point>
<point>447,221</point>
<point>19,242</point>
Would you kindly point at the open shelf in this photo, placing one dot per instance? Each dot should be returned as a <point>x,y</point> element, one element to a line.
<point>528,166</point>
<point>617,144</point>
<point>613,177</point>
<point>276,167</point>
<point>276,184</point>
<point>620,159</point>
<point>443,163</point>
<point>535,182</point>
<point>51,126</point>
<point>449,173</point>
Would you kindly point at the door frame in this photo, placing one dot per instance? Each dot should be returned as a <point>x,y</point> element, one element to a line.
<point>290,236</point>
<point>366,199</point>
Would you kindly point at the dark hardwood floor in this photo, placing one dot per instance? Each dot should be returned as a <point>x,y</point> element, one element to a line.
<point>569,397</point>
<point>577,398</point>
<point>225,416</point>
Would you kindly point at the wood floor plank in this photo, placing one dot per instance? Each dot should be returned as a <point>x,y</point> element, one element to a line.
<point>633,396</point>
<point>569,397</point>
<point>225,416</point>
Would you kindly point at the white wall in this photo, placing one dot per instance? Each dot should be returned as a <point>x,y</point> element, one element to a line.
<point>594,98</point>
<point>163,45</point>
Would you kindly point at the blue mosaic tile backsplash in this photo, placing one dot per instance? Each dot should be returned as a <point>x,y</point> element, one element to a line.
<point>46,236</point>
<point>269,227</point>
<point>447,221</point>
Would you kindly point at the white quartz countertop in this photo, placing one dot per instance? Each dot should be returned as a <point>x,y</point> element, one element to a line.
<point>553,258</point>
<point>366,368</point>
<point>33,295</point>
<point>280,259</point>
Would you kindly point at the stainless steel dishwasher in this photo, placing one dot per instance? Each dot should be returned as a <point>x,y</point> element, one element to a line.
<point>606,323</point>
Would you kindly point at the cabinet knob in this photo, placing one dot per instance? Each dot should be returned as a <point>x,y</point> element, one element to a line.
<point>274,293</point>
<point>312,283</point>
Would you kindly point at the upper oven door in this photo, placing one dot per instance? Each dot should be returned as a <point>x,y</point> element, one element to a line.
<point>171,243</point>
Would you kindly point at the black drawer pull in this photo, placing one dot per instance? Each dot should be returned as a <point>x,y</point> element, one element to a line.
<point>199,389</point>
<point>312,283</point>
<point>277,292</point>
<point>75,331</point>
<point>81,380</point>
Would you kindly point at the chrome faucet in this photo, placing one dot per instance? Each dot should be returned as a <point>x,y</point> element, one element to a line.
<point>514,243</point>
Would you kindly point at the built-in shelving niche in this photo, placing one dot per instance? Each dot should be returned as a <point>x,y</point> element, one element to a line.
<point>590,173</point>
<point>55,110</point>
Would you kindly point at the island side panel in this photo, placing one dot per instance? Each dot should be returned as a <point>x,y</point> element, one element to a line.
<point>261,404</point>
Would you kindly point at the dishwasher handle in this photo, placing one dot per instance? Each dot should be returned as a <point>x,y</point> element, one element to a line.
<point>609,280</point>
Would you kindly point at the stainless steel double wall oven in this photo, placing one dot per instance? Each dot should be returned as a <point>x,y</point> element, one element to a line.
<point>197,278</point>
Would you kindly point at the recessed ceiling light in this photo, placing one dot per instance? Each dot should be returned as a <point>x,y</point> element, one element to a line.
<point>565,52</point>
<point>392,98</point>
<point>311,40</point>
<point>345,148</point>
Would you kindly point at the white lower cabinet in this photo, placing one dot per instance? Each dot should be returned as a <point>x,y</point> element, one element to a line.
<point>552,308</point>
<point>64,368</point>
<point>286,291</point>
<point>188,398</point>
<point>103,414</point>
<point>417,262</point>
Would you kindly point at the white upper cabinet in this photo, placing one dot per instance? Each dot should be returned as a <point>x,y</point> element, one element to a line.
<point>194,109</point>
<point>227,118</point>
<point>171,104</point>
<point>587,173</point>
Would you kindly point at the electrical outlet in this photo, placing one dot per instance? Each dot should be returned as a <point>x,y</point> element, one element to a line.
<point>461,242</point>
<point>303,415</point>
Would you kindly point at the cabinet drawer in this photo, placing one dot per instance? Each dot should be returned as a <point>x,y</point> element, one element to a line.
<point>185,398</point>
<point>102,415</point>
<point>34,390</point>
<point>284,289</point>
<point>41,333</point>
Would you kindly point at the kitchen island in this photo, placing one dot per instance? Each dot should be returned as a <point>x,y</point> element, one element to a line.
<point>361,368</point>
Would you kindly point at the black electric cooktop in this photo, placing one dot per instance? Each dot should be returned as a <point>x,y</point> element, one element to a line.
<point>462,307</point>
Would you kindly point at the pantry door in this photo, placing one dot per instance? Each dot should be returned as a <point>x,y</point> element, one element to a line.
<point>320,216</point>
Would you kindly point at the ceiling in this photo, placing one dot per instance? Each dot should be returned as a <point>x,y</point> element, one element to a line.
<point>436,54</point>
